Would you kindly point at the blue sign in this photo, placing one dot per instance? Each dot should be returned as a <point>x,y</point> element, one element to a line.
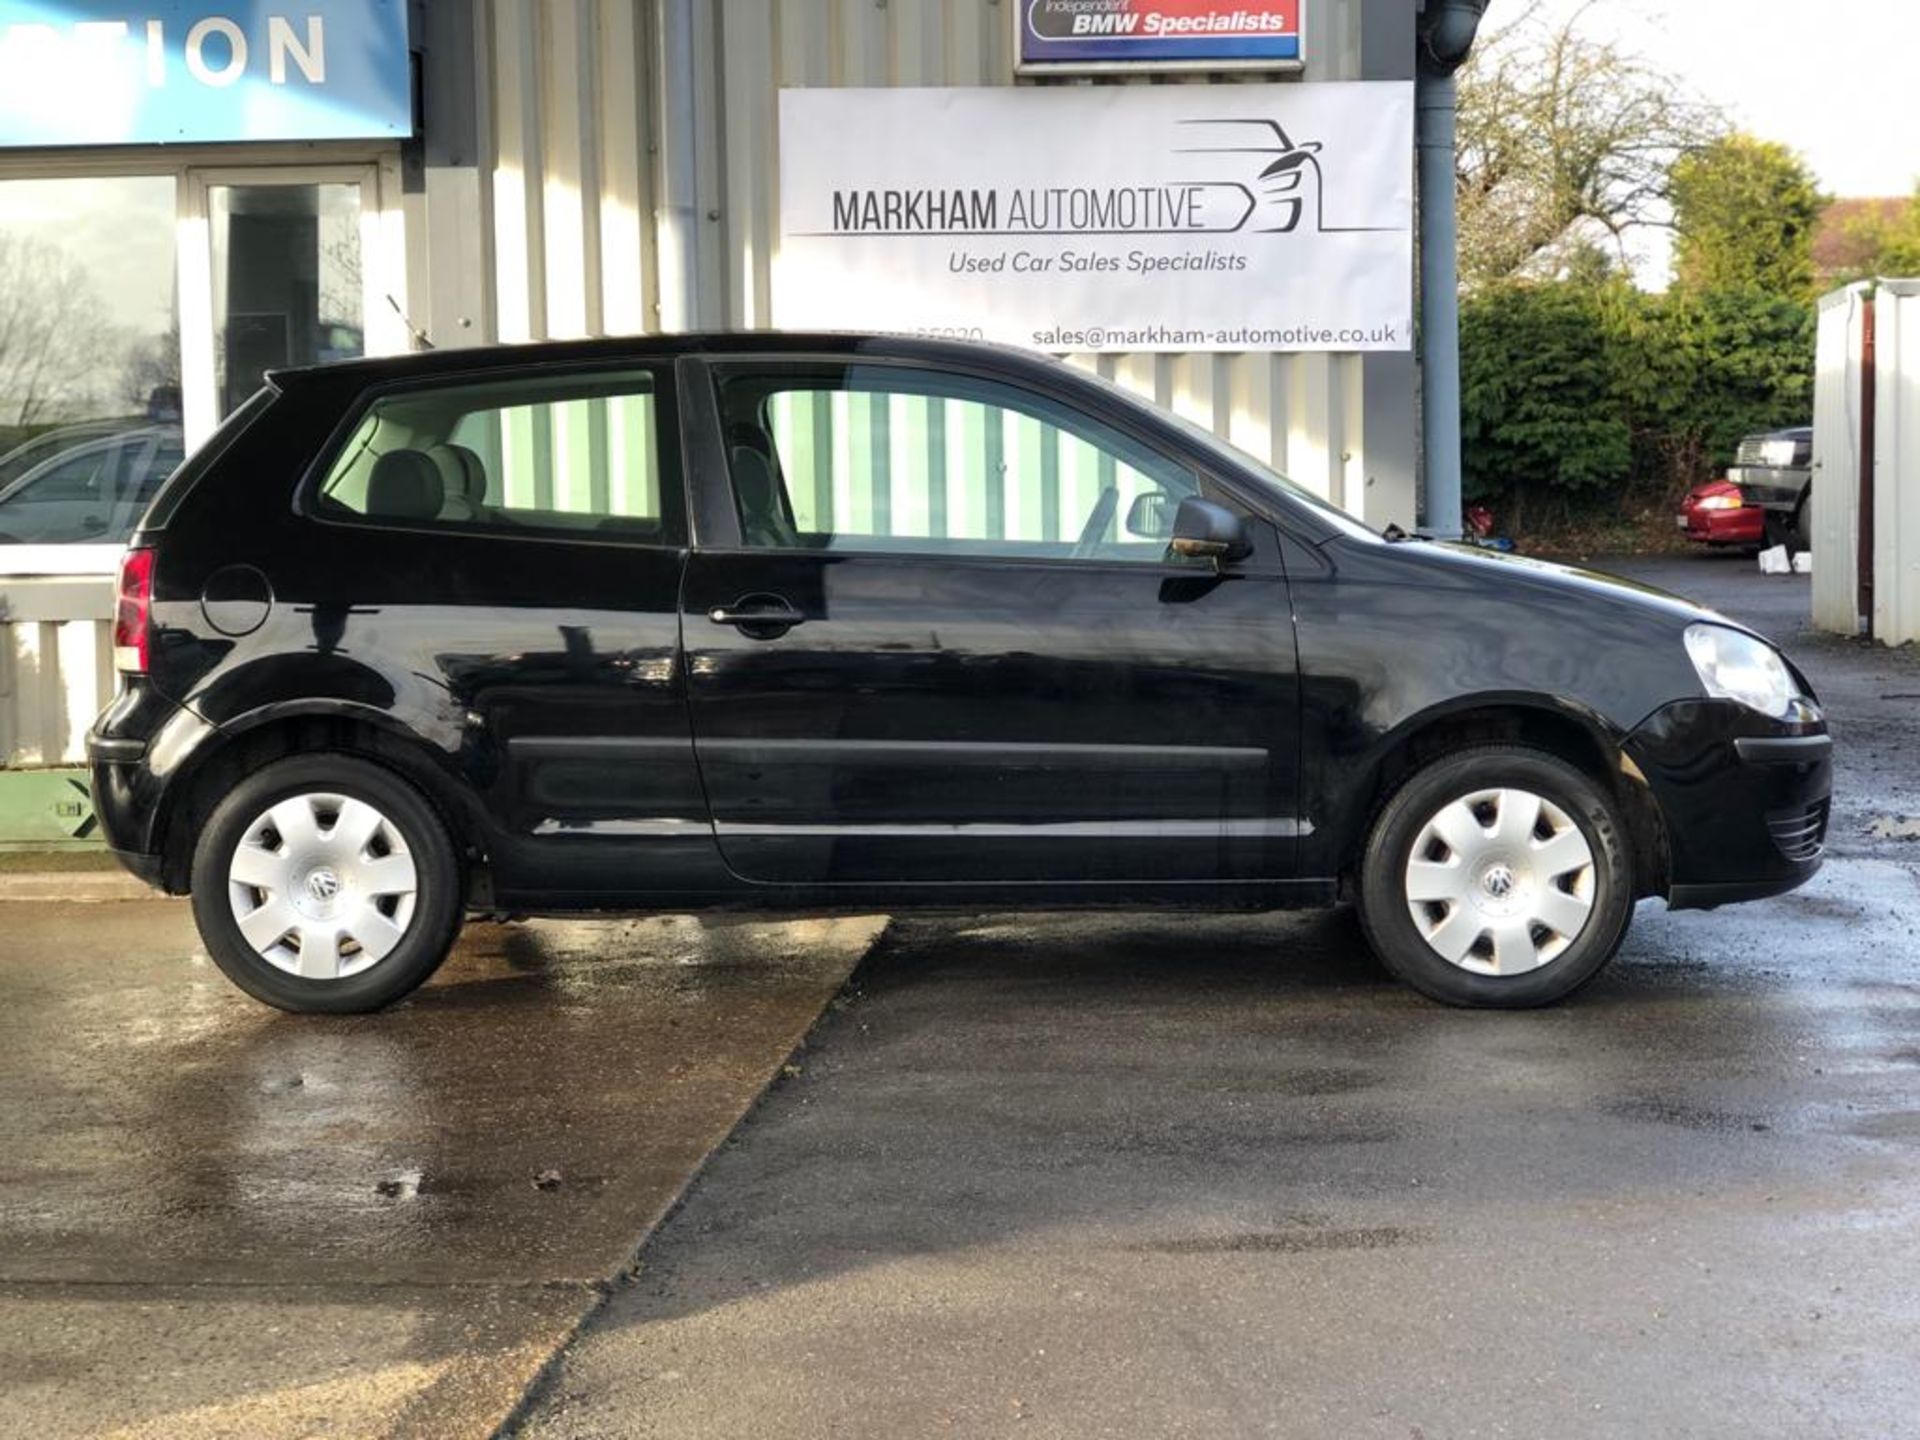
<point>96,72</point>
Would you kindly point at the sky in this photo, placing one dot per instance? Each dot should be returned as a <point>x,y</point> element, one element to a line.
<point>1834,79</point>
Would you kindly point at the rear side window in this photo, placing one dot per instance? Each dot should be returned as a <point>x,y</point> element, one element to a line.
<point>579,455</point>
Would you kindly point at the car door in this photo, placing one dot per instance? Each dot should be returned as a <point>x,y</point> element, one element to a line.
<point>946,644</point>
<point>509,552</point>
<point>63,499</point>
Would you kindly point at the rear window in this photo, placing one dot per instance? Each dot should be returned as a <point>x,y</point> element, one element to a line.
<point>179,484</point>
<point>578,455</point>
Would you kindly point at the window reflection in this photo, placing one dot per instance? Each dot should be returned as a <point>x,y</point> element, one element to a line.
<point>89,355</point>
<point>287,280</point>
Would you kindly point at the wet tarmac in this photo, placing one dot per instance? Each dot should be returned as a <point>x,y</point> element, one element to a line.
<point>1125,1176</point>
<point>1122,1177</point>
<point>215,1218</point>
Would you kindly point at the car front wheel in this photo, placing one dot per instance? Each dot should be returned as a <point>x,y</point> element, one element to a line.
<point>1497,876</point>
<point>326,884</point>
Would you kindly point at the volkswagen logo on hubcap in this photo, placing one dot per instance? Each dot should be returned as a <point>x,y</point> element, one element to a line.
<point>323,885</point>
<point>1499,882</point>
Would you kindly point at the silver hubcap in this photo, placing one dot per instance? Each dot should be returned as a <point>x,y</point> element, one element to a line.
<point>322,886</point>
<point>1500,882</point>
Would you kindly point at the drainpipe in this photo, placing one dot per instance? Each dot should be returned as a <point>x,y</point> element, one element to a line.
<point>1445,36</point>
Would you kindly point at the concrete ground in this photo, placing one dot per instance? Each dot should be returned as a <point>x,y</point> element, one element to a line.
<point>218,1220</point>
<point>1127,1176</point>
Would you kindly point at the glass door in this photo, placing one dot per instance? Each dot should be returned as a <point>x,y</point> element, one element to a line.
<point>288,267</point>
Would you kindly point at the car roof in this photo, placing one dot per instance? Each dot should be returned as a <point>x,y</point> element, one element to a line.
<point>69,436</point>
<point>111,440</point>
<point>85,447</point>
<point>426,363</point>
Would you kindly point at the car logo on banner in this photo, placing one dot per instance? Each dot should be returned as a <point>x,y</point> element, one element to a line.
<point>1288,181</point>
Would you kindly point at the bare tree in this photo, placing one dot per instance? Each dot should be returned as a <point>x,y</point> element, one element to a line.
<point>1564,140</point>
<point>341,279</point>
<point>57,343</point>
<point>152,363</point>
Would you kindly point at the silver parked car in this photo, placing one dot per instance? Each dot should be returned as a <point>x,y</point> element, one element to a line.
<point>92,491</point>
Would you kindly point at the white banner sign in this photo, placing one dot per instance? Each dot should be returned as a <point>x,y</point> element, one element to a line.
<point>1165,217</point>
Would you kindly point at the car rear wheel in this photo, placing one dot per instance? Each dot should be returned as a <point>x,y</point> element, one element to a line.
<point>1497,876</point>
<point>326,884</point>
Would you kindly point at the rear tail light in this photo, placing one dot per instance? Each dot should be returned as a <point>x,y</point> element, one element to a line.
<point>1717,495</point>
<point>133,613</point>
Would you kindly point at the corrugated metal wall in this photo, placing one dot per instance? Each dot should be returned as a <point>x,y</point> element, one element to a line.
<point>570,184</point>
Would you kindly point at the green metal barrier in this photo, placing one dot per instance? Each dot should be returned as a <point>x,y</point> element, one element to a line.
<point>47,810</point>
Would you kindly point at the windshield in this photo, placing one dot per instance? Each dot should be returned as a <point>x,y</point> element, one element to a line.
<point>1242,464</point>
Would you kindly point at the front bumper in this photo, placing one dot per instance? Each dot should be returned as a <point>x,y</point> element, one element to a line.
<point>1745,526</point>
<point>1744,799</point>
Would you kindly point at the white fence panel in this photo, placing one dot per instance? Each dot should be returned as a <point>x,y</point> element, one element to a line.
<point>1834,510</point>
<point>1896,464</point>
<point>56,666</point>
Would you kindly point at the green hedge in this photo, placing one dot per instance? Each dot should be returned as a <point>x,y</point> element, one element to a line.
<point>1578,397</point>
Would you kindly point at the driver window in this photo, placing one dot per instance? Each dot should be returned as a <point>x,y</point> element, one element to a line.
<point>902,460</point>
<point>79,480</point>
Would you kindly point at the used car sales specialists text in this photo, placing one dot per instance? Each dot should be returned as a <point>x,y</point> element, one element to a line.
<point>1134,262</point>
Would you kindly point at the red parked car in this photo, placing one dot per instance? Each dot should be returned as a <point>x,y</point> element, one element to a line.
<point>1717,514</point>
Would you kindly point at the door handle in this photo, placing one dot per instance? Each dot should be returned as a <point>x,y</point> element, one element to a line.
<point>755,612</point>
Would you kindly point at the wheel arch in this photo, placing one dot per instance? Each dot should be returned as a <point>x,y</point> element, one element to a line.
<point>274,732</point>
<point>1561,727</point>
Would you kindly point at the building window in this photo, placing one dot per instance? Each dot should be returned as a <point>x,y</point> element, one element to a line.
<point>89,355</point>
<point>288,286</point>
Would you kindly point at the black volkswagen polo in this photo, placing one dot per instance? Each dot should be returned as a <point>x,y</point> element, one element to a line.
<point>829,622</point>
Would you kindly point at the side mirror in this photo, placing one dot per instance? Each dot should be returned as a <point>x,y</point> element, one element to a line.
<point>1150,517</point>
<point>1203,530</point>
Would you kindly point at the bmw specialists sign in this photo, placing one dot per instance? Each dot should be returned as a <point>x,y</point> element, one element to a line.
<point>1181,218</point>
<point>1096,35</point>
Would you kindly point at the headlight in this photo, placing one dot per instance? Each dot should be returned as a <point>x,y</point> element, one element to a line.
<point>1735,666</point>
<point>1777,452</point>
<point>1718,502</point>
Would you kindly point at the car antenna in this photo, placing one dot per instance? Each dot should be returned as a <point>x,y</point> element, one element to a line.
<point>420,339</point>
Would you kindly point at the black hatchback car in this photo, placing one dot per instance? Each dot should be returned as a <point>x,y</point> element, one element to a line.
<point>833,622</point>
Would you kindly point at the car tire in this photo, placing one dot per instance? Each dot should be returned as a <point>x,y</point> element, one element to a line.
<point>1504,914</point>
<point>1784,530</point>
<point>357,864</point>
